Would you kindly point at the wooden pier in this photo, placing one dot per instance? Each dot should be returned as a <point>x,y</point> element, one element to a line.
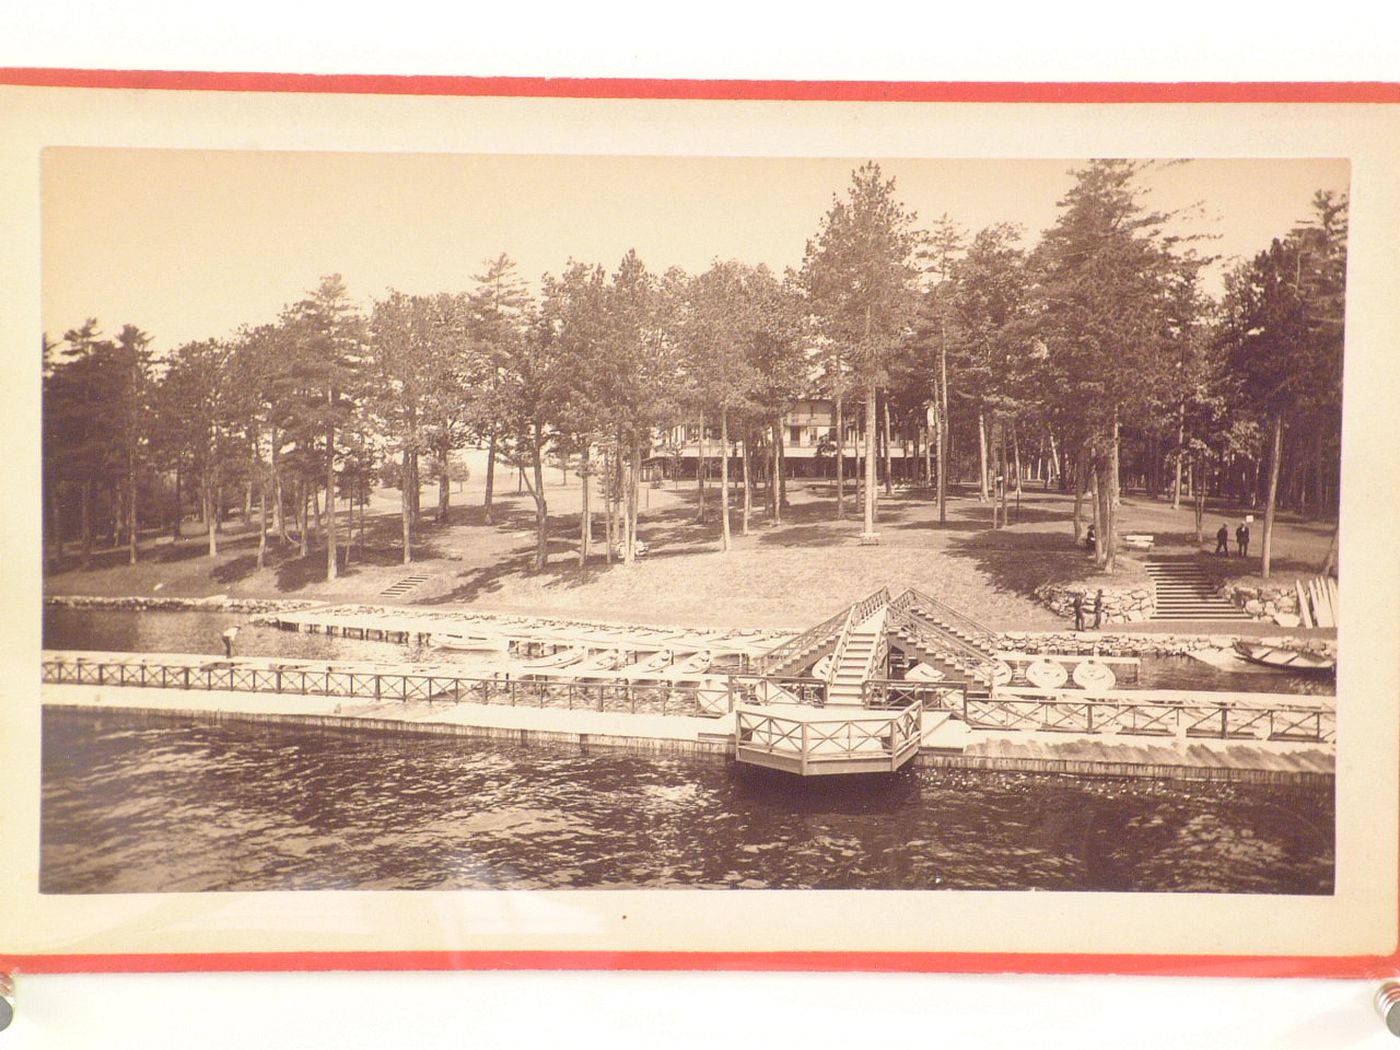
<point>812,742</point>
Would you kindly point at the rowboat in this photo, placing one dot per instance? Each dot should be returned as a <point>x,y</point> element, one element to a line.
<point>1279,659</point>
<point>1093,676</point>
<point>1046,674</point>
<point>469,643</point>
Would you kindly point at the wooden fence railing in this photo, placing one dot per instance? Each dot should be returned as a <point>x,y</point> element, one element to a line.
<point>802,743</point>
<point>1133,716</point>
<point>619,695</point>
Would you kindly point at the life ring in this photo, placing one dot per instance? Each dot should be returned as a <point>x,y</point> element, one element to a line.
<point>1094,676</point>
<point>1047,674</point>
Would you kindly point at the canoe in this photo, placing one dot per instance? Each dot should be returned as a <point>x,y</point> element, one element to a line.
<point>1094,676</point>
<point>1001,673</point>
<point>1046,674</point>
<point>1285,659</point>
<point>469,643</point>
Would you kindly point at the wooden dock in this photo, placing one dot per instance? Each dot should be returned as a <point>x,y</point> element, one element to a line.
<point>818,742</point>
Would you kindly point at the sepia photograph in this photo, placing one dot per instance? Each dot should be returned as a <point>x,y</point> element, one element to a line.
<point>563,521</point>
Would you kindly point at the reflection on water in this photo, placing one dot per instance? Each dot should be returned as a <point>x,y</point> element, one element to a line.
<point>131,806</point>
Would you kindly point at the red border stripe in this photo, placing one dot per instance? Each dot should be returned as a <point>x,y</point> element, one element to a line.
<point>1357,967</point>
<point>732,90</point>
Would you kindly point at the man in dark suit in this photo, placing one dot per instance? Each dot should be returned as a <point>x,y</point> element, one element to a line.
<point>1222,540</point>
<point>1242,539</point>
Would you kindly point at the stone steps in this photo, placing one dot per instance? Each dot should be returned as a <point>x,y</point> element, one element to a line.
<point>1183,592</point>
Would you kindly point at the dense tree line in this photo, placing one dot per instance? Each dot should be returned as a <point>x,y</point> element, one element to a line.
<point>1089,359</point>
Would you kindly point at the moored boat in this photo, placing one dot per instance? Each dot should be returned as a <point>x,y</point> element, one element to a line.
<point>1281,659</point>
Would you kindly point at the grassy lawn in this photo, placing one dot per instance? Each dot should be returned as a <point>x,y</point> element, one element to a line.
<point>778,575</point>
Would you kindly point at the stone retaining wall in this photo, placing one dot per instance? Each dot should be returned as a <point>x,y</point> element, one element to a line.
<point>1130,604</point>
<point>1089,643</point>
<point>1262,601</point>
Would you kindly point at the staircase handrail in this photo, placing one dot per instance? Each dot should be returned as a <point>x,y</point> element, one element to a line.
<point>985,665</point>
<point>856,614</point>
<point>833,625</point>
<point>973,627</point>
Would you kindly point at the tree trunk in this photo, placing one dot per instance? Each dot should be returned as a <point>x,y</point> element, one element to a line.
<point>1329,563</point>
<point>889,474</point>
<point>179,508</point>
<point>942,419</point>
<point>1055,464</point>
<point>634,492</point>
<point>773,478</point>
<point>303,540</point>
<point>541,509</point>
<point>840,457</point>
<point>262,523</point>
<point>444,490</point>
<point>748,485</point>
<point>782,470</point>
<point>1081,481</point>
<point>1016,450</point>
<point>700,516</point>
<point>405,510</point>
<point>982,457</point>
<point>1275,456</point>
<point>332,545</point>
<point>279,517</point>
<point>211,516</point>
<point>1004,470</point>
<point>1198,499</point>
<point>724,478</point>
<point>871,423</point>
<point>131,507</point>
<point>490,475</point>
<point>1317,510</point>
<point>1117,463</point>
<point>585,515</point>
<point>609,526</point>
<point>1180,455</point>
<point>85,523</point>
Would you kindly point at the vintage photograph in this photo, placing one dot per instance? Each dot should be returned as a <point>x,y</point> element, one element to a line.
<point>521,521</point>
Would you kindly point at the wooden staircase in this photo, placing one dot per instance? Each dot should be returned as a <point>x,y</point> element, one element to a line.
<point>859,653</point>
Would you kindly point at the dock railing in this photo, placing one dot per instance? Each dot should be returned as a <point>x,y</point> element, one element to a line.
<point>617,695</point>
<point>886,693</point>
<point>776,689</point>
<point>832,744</point>
<point>1072,712</point>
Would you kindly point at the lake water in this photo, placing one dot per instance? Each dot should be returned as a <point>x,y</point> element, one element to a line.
<point>131,805</point>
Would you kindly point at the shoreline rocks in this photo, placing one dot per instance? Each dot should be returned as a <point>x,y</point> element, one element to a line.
<point>215,603</point>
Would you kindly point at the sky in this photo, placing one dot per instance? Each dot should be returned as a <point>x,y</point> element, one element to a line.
<point>190,244</point>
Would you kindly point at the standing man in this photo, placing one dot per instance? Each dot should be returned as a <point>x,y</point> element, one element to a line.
<point>1242,539</point>
<point>229,637</point>
<point>1079,610</point>
<point>1222,540</point>
<point>1098,610</point>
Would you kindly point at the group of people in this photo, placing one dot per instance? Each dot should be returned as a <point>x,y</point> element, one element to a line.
<point>1222,540</point>
<point>1079,610</point>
